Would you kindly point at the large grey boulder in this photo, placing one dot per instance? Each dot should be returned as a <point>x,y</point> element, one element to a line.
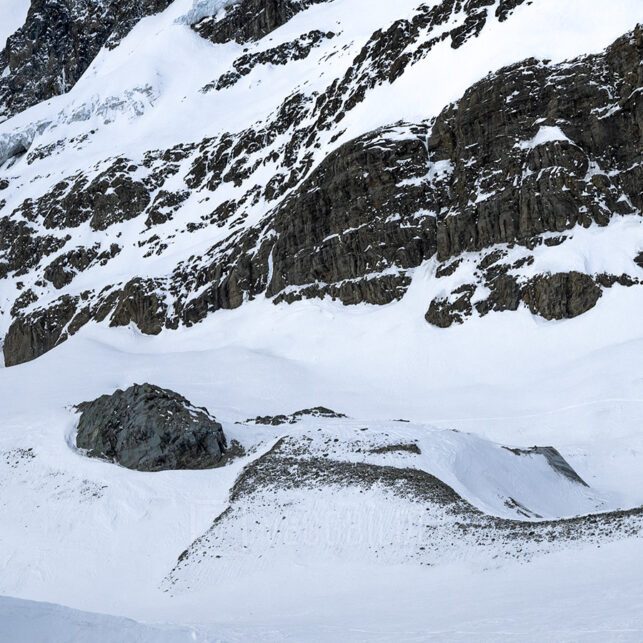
<point>148,428</point>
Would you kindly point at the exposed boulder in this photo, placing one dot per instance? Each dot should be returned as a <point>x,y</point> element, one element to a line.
<point>148,428</point>
<point>562,295</point>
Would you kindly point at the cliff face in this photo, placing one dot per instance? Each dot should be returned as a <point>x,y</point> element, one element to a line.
<point>273,196</point>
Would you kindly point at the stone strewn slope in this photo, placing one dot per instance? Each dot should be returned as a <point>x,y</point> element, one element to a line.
<point>293,485</point>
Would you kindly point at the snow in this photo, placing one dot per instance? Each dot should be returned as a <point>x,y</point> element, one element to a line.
<point>546,29</point>
<point>29,621</point>
<point>507,379</point>
<point>591,596</point>
<point>546,134</point>
<point>93,536</point>
<point>12,17</point>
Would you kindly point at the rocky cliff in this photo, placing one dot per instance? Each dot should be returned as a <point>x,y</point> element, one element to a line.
<point>284,202</point>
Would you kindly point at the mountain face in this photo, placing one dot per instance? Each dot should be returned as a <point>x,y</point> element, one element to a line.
<point>287,204</point>
<point>320,320</point>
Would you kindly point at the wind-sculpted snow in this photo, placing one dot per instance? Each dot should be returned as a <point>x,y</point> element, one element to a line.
<point>26,621</point>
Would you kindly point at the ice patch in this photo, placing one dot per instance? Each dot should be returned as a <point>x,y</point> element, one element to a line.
<point>546,134</point>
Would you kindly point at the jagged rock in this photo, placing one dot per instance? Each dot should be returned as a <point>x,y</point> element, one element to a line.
<point>359,213</point>
<point>557,296</point>
<point>276,420</point>
<point>389,52</point>
<point>148,428</point>
<point>496,130</point>
<point>140,303</point>
<point>165,204</point>
<point>62,270</point>
<point>110,197</point>
<point>446,311</point>
<point>21,248</point>
<point>505,295</point>
<point>281,55</point>
<point>561,296</point>
<point>250,19</point>
<point>25,299</point>
<point>607,281</point>
<point>33,335</point>
<point>528,151</point>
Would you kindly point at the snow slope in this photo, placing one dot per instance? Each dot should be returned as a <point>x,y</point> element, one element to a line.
<point>62,507</point>
<point>591,595</point>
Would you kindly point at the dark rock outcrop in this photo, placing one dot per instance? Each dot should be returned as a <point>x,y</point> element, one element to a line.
<point>526,155</point>
<point>111,197</point>
<point>316,412</point>
<point>281,55</point>
<point>140,303</point>
<point>537,148</point>
<point>148,428</point>
<point>21,248</point>
<point>33,335</point>
<point>446,311</point>
<point>250,19</point>
<point>361,212</point>
<point>561,295</point>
